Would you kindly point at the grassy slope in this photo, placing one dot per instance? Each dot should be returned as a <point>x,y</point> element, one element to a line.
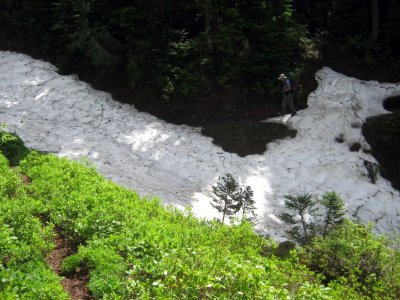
<point>133,248</point>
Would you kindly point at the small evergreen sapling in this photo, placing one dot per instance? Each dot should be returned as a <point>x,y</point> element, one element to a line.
<point>227,192</point>
<point>305,223</point>
<point>304,207</point>
<point>247,204</point>
<point>335,212</point>
<point>232,198</point>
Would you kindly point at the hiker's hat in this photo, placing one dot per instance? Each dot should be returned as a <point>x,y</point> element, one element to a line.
<point>282,76</point>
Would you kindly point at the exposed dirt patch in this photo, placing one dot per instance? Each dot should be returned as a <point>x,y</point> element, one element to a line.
<point>355,147</point>
<point>76,287</point>
<point>76,284</point>
<point>25,179</point>
<point>61,250</point>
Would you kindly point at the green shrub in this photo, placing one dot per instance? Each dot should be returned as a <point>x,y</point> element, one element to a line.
<point>31,280</point>
<point>9,181</point>
<point>12,147</point>
<point>352,255</point>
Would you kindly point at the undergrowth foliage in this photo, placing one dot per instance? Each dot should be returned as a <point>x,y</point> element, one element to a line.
<point>24,242</point>
<point>135,248</point>
<point>352,255</point>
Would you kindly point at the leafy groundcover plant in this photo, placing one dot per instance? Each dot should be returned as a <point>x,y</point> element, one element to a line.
<point>24,242</point>
<point>135,248</point>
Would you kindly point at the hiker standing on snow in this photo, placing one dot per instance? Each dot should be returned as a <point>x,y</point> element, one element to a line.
<point>287,99</point>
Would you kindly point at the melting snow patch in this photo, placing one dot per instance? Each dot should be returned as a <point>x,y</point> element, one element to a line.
<point>61,114</point>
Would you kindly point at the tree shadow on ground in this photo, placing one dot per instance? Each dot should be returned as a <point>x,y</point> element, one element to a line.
<point>247,137</point>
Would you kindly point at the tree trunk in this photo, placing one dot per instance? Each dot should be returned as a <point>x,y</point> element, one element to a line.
<point>374,20</point>
<point>304,225</point>
<point>224,213</point>
<point>327,221</point>
<point>208,26</point>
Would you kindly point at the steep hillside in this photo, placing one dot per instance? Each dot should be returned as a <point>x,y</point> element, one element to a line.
<point>118,245</point>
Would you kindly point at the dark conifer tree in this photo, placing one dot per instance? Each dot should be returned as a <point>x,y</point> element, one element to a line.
<point>227,194</point>
<point>247,204</point>
<point>335,212</point>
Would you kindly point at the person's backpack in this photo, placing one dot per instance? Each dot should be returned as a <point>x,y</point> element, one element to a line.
<point>294,85</point>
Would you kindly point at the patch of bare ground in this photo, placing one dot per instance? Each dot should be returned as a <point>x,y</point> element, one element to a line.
<point>76,284</point>
<point>76,287</point>
<point>25,179</point>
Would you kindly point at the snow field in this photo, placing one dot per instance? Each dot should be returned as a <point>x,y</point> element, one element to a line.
<point>63,115</point>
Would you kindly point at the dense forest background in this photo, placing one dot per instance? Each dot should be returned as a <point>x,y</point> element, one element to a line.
<point>196,61</point>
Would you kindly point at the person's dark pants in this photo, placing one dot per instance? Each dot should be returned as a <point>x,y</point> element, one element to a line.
<point>287,100</point>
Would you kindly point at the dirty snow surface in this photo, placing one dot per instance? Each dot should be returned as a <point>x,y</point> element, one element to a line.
<point>65,116</point>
